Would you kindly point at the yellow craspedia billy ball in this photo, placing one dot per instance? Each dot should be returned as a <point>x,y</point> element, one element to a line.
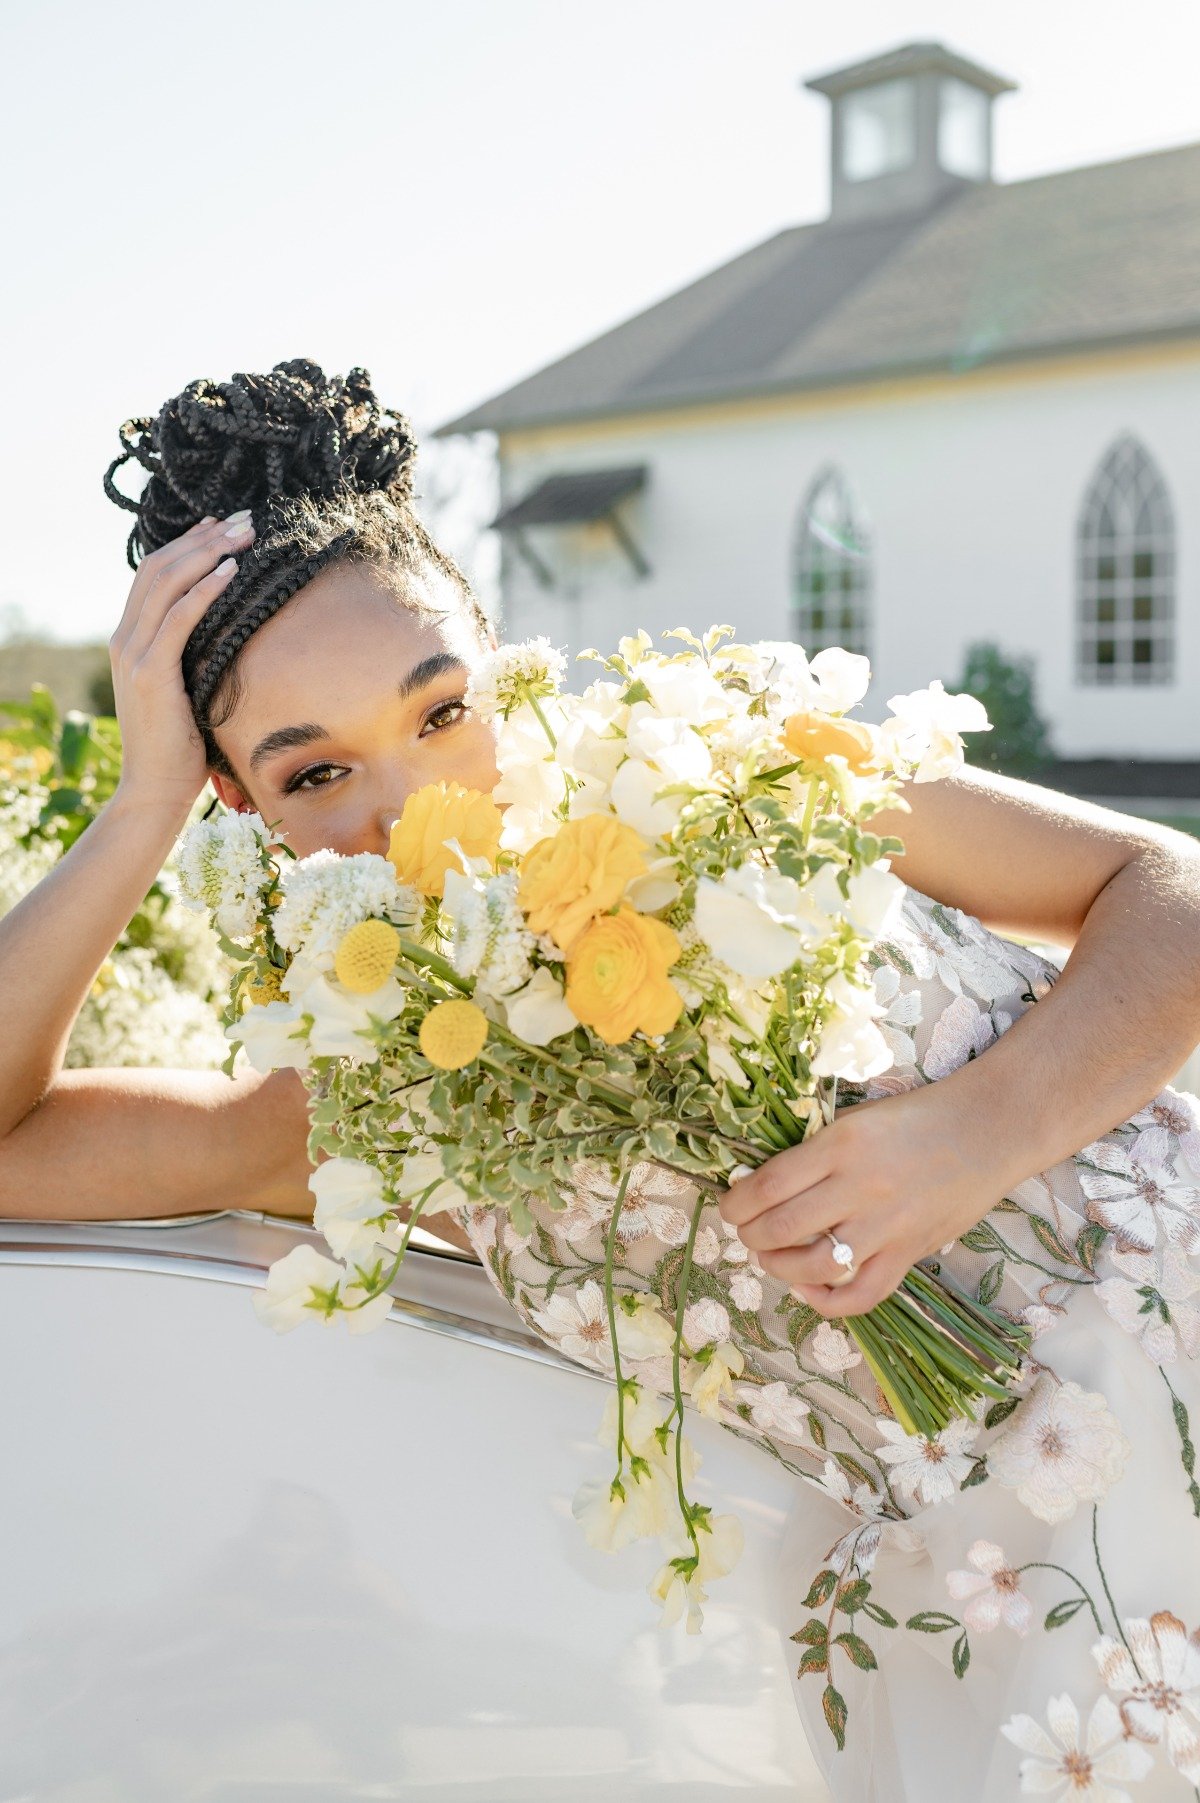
<point>367,956</point>
<point>453,1034</point>
<point>258,991</point>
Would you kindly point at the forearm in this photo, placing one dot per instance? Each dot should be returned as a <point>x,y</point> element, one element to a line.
<point>131,1143</point>
<point>54,941</point>
<point>1117,1025</point>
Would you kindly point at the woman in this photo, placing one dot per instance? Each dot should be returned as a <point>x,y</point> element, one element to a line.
<point>293,634</point>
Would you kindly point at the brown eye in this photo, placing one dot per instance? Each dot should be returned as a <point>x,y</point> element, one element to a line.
<point>314,776</point>
<point>447,713</point>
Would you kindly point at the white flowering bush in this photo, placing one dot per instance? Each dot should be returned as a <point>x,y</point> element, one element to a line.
<point>647,948</point>
<point>158,999</point>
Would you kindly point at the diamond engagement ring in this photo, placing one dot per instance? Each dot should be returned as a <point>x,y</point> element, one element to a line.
<point>843,1255</point>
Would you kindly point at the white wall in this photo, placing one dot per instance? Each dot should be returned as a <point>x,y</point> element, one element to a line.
<point>971,489</point>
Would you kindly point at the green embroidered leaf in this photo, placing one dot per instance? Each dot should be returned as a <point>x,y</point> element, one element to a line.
<point>823,1587</point>
<point>932,1621</point>
<point>858,1651</point>
<point>978,1239</point>
<point>989,1283</point>
<point>976,1475</point>
<point>961,1655</point>
<point>852,1596</point>
<point>816,1428</point>
<point>813,1633</point>
<point>879,1614</point>
<point>1089,1243</point>
<point>813,1659</point>
<point>1062,1612</point>
<point>1050,1239</point>
<point>834,1705</point>
<point>1000,1411</point>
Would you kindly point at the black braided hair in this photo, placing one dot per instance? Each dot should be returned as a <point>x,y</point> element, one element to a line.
<point>326,472</point>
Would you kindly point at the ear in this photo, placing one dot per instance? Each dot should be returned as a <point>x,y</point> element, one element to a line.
<point>230,795</point>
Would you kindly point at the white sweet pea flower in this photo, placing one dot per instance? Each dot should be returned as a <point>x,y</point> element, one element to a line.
<point>874,901</point>
<point>851,1044</point>
<point>636,801</point>
<point>305,1285</point>
<point>538,1013</point>
<point>656,889</point>
<point>844,678</point>
<point>349,1195</point>
<point>418,1172</point>
<point>790,685</point>
<point>687,690</point>
<point>273,1036</point>
<point>720,1547</point>
<point>747,917</point>
<point>925,726</point>
<point>340,1019</point>
<point>614,1516</point>
<point>712,1383</point>
<point>670,745</point>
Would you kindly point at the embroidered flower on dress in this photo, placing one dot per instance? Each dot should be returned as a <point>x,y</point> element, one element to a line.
<point>578,1324</point>
<point>1153,1304</point>
<point>992,1591</point>
<point>1064,1447</point>
<point>928,1471</point>
<point>1075,1768</point>
<point>1133,1192</point>
<point>1176,1115</point>
<point>774,1408</point>
<point>833,1350</point>
<point>1158,1678</point>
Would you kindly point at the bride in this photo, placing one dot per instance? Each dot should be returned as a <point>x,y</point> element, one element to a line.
<point>293,635</point>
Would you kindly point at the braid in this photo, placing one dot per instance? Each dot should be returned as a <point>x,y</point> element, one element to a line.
<point>326,473</point>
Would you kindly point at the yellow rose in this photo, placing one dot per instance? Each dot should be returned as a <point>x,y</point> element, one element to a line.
<point>580,871</point>
<point>814,737</point>
<point>617,976</point>
<point>438,812</point>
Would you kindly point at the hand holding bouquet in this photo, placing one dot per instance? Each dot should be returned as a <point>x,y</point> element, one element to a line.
<point>646,948</point>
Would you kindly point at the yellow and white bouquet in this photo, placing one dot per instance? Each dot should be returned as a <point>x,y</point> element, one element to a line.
<point>646,946</point>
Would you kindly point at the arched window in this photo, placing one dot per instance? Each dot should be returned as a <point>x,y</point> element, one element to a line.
<point>1125,578</point>
<point>832,582</point>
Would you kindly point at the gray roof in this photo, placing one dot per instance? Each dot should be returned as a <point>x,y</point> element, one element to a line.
<point>904,61</point>
<point>577,495</point>
<point>1104,255</point>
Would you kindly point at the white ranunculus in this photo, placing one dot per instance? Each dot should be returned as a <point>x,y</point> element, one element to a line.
<point>925,726</point>
<point>844,676</point>
<point>349,1194</point>
<point>273,1037</point>
<point>537,1013</point>
<point>283,1303</point>
<point>748,917</point>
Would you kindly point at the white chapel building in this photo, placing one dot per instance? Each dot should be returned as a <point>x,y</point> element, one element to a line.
<point>954,409</point>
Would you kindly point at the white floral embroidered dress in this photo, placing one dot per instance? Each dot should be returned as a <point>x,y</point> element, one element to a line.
<point>1037,1571</point>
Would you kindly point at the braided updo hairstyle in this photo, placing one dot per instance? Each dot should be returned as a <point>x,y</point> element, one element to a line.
<point>326,472</point>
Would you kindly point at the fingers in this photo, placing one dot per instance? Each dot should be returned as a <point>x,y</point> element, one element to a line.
<point>176,628</point>
<point>875,1280</point>
<point>161,575</point>
<point>783,1176</point>
<point>815,1264</point>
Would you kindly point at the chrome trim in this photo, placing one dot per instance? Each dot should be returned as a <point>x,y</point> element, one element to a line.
<point>80,1253</point>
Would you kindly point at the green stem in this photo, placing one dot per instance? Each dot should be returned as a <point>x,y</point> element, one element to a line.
<point>1043,1565</point>
<point>685,1277</point>
<point>1108,1593</point>
<point>609,1247</point>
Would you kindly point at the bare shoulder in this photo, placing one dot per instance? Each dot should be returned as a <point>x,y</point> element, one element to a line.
<point>1022,858</point>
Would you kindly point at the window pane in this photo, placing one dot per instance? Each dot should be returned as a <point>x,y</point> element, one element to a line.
<point>1143,651</point>
<point>878,130</point>
<point>1143,564</point>
<point>962,129</point>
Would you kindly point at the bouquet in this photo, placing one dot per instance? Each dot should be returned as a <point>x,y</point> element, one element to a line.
<point>647,946</point>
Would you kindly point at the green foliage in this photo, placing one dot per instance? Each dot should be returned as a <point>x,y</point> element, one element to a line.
<point>76,757</point>
<point>1019,742</point>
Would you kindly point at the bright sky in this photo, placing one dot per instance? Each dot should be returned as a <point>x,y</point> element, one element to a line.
<point>451,192</point>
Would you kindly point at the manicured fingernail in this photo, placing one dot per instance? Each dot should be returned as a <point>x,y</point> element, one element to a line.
<point>238,518</point>
<point>738,1172</point>
<point>210,519</point>
<point>226,567</point>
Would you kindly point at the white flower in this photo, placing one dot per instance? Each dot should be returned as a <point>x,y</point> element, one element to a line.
<point>636,801</point>
<point>273,1035</point>
<point>490,939</point>
<point>578,1324</point>
<point>747,916</point>
<point>325,895</point>
<point>613,1518</point>
<point>290,1295</point>
<point>928,1471</point>
<point>1063,1447</point>
<point>746,1290</point>
<point>341,1021</point>
<point>1175,1115</point>
<point>349,1204</point>
<point>685,690</point>
<point>962,1030</point>
<point>775,1409</point>
<point>538,1012</point>
<point>642,1414</point>
<point>833,1350</point>
<point>925,727</point>
<point>844,678</point>
<point>1158,1678</point>
<point>220,867</point>
<point>502,679</point>
<point>1081,1770</point>
<point>850,1043</point>
<point>992,1591</point>
<point>713,1382</point>
<point>1133,1193</point>
<point>705,1323</point>
<point>788,682</point>
<point>1153,1305</point>
<point>720,1547</point>
<point>643,1331</point>
<point>421,1171</point>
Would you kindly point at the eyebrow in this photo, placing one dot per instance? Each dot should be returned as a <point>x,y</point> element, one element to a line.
<point>284,738</point>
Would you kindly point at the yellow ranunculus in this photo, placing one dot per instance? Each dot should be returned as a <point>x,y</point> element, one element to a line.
<point>453,1034</point>
<point>366,956</point>
<point>813,737</point>
<point>580,871</point>
<point>617,976</point>
<point>438,812</point>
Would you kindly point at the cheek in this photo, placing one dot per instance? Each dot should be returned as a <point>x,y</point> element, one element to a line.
<point>472,759</point>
